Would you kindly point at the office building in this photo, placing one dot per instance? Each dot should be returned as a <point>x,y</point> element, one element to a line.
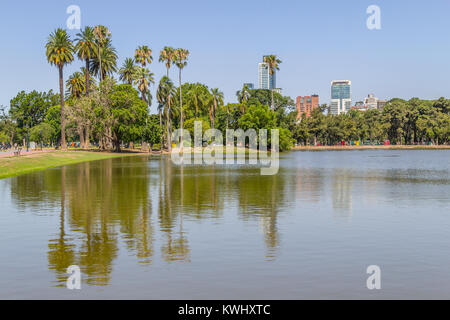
<point>265,80</point>
<point>305,105</point>
<point>249,85</point>
<point>341,96</point>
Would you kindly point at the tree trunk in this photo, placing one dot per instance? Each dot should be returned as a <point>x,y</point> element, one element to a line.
<point>86,138</point>
<point>273,107</point>
<point>100,60</point>
<point>214,114</point>
<point>63,120</point>
<point>87,84</point>
<point>169,140</point>
<point>117,145</point>
<point>181,111</point>
<point>81,134</point>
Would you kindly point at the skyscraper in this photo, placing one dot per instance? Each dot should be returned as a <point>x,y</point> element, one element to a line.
<point>265,80</point>
<point>341,96</point>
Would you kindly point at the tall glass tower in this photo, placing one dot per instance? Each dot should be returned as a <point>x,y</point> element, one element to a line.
<point>265,80</point>
<point>341,96</point>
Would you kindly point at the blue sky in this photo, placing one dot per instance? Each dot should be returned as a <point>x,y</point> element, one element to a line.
<point>318,41</point>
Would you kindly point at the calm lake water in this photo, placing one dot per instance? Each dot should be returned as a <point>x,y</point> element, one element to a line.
<point>141,227</point>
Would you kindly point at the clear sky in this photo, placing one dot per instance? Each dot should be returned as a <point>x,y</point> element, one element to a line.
<point>318,41</point>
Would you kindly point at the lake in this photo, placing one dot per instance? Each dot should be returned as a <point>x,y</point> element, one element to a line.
<point>143,228</point>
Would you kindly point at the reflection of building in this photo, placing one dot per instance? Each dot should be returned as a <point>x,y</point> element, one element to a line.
<point>341,96</point>
<point>342,193</point>
<point>305,105</point>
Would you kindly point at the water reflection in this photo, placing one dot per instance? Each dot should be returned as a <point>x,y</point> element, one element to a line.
<point>146,205</point>
<point>103,203</point>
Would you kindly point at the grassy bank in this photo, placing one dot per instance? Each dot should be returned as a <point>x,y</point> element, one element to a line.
<point>13,166</point>
<point>349,148</point>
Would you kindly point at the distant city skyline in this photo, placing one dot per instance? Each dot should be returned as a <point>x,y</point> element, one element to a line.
<point>391,62</point>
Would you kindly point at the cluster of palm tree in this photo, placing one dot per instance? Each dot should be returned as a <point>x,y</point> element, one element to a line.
<point>93,46</point>
<point>166,89</point>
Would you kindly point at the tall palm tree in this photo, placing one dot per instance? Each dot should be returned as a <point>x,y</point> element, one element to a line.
<point>143,55</point>
<point>76,86</point>
<point>217,97</point>
<point>128,71</point>
<point>167,55</point>
<point>273,63</point>
<point>105,61</point>
<point>102,35</point>
<point>181,56</point>
<point>59,52</point>
<point>166,95</point>
<point>142,79</point>
<point>86,48</point>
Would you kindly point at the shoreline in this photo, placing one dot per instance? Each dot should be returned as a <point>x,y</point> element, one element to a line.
<point>356,148</point>
<point>11,166</point>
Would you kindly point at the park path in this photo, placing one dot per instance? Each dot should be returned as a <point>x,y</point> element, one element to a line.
<point>6,154</point>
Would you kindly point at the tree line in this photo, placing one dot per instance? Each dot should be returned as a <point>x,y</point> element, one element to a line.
<point>401,122</point>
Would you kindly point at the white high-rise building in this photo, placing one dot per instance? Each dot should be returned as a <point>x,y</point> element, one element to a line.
<point>341,96</point>
<point>265,80</point>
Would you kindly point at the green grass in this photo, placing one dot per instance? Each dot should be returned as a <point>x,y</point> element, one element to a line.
<point>14,166</point>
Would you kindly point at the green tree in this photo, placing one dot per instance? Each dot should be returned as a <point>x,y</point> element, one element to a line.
<point>153,131</point>
<point>394,118</point>
<point>128,113</point>
<point>128,71</point>
<point>142,79</point>
<point>143,55</point>
<point>42,133</point>
<point>217,99</point>
<point>76,85</point>
<point>167,56</point>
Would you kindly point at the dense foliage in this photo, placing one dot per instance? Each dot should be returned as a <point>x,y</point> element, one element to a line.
<point>401,122</point>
